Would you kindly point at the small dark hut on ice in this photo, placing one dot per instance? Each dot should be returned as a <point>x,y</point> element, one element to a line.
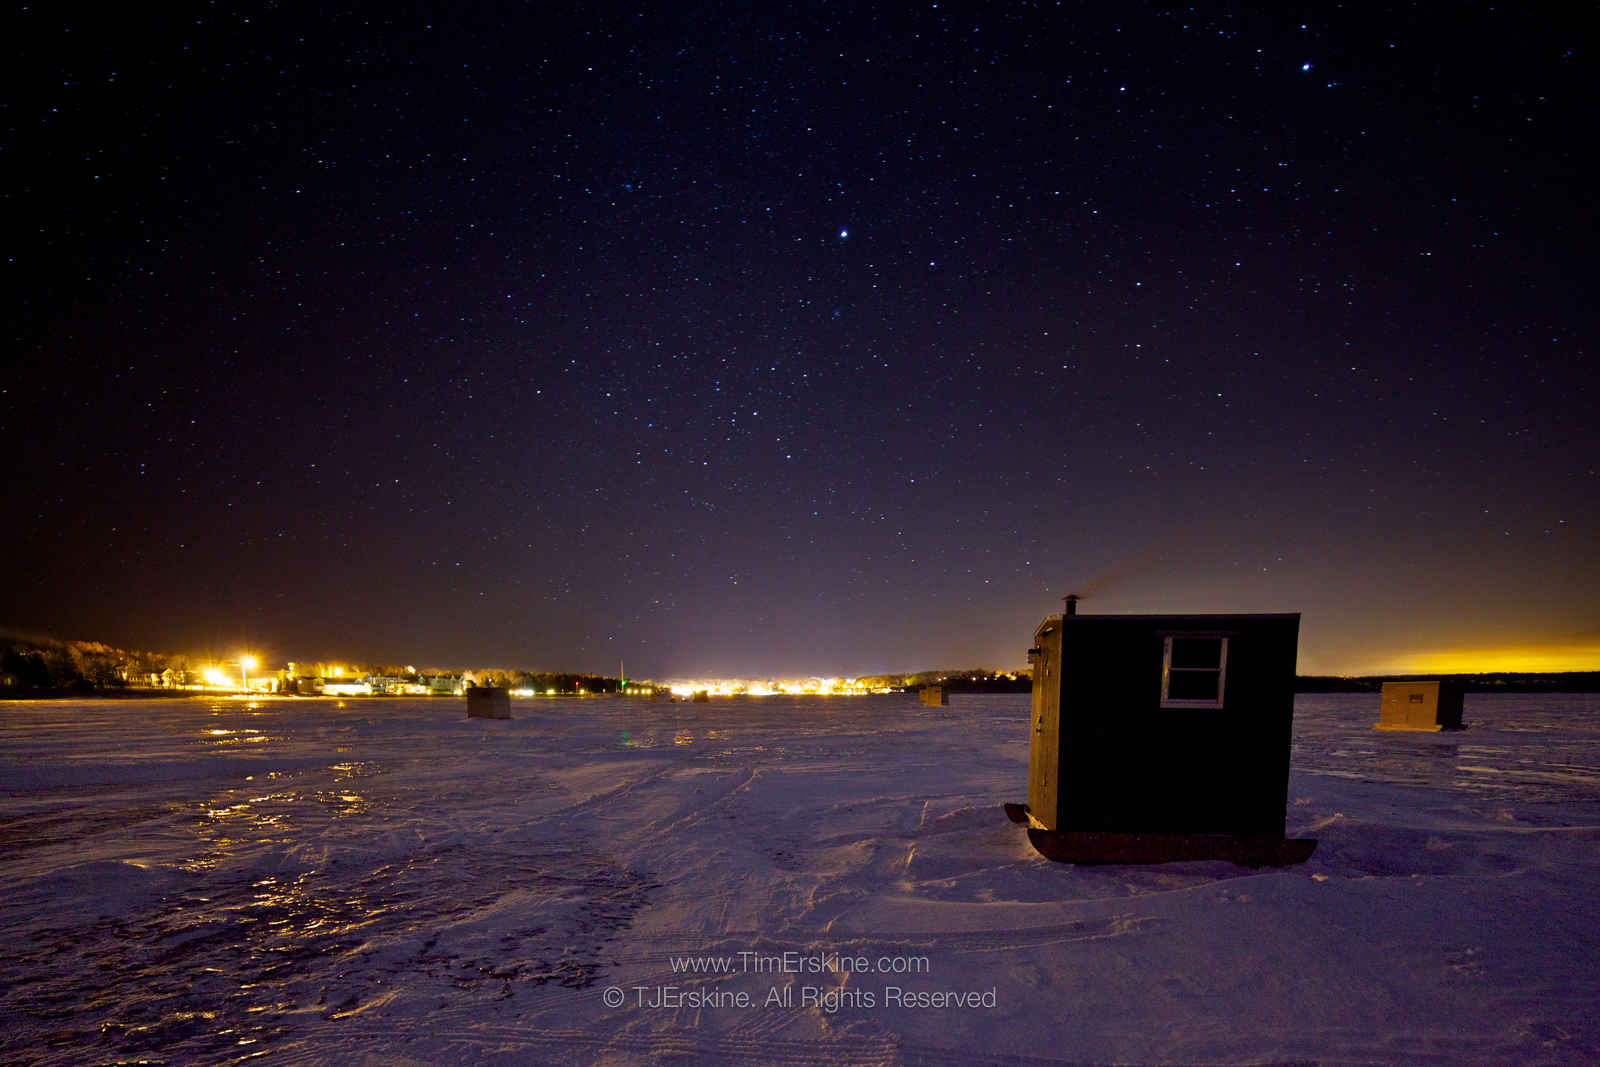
<point>1161,737</point>
<point>488,702</point>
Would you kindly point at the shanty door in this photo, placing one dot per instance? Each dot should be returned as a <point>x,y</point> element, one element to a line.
<point>1044,738</point>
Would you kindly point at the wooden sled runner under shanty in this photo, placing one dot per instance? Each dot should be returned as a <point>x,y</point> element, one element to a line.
<point>1161,738</point>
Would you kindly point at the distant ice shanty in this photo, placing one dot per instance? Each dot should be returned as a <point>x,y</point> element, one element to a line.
<point>934,694</point>
<point>1428,706</point>
<point>1161,737</point>
<point>488,702</point>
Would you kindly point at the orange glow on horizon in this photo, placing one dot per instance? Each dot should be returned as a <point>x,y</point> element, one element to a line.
<point>1528,659</point>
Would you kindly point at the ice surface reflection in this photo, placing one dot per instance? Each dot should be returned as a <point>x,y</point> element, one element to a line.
<point>393,881</point>
<point>291,866</point>
<point>219,736</point>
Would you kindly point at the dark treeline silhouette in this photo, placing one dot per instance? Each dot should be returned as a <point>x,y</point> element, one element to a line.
<point>545,682</point>
<point>970,680</point>
<point>1489,682</point>
<point>45,664</point>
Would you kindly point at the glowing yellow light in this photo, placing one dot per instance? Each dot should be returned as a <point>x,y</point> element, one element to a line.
<point>1510,659</point>
<point>248,662</point>
<point>214,676</point>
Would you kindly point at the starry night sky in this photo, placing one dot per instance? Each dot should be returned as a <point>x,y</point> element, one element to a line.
<point>789,342</point>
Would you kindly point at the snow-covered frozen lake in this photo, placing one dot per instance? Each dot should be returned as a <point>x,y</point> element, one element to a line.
<point>775,880</point>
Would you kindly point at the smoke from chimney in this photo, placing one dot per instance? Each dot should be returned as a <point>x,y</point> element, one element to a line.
<point>1121,571</point>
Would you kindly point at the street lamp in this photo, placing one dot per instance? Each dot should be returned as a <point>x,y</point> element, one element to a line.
<point>245,663</point>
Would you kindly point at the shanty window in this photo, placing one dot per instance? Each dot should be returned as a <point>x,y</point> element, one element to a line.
<point>1194,669</point>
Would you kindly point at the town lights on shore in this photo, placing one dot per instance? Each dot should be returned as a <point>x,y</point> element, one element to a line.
<point>245,663</point>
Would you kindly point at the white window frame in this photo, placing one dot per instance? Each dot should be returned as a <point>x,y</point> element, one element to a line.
<point>1167,668</point>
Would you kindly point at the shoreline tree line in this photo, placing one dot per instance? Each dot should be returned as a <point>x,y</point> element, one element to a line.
<point>42,666</point>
